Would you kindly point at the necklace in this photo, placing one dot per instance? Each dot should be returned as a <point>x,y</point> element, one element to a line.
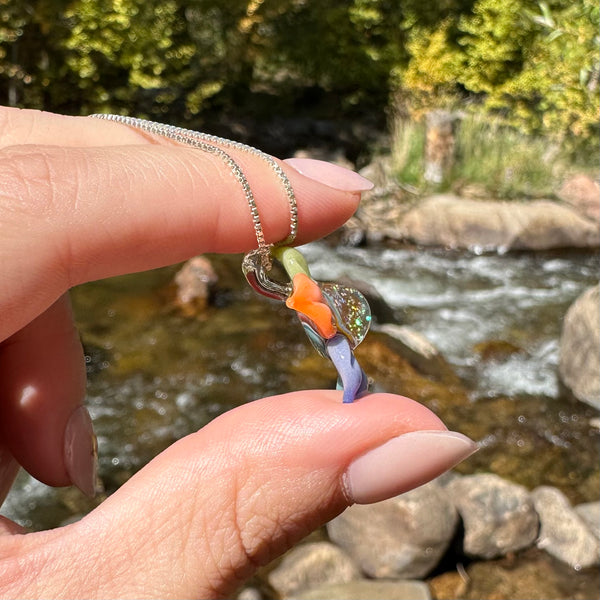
<point>335,318</point>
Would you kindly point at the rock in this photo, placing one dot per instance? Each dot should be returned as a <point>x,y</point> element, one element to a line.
<point>419,352</point>
<point>448,585</point>
<point>250,593</point>
<point>404,537</point>
<point>352,233</point>
<point>368,590</point>
<point>380,172</point>
<point>563,533</point>
<point>530,575</point>
<point>497,350</point>
<point>446,220</point>
<point>579,367</point>
<point>583,194</point>
<point>590,513</point>
<point>498,515</point>
<point>391,372</point>
<point>194,282</point>
<point>310,565</point>
<point>382,211</point>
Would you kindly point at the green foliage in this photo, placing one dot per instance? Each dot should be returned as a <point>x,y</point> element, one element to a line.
<point>491,158</point>
<point>504,161</point>
<point>534,65</point>
<point>408,151</point>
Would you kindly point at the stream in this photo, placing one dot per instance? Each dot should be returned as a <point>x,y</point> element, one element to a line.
<point>156,375</point>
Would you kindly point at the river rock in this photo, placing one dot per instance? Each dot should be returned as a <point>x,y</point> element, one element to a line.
<point>311,565</point>
<point>381,212</point>
<point>194,283</point>
<point>453,222</point>
<point>563,533</point>
<point>250,593</point>
<point>498,515</point>
<point>583,194</point>
<point>530,575</point>
<point>590,513</point>
<point>419,352</point>
<point>404,537</point>
<point>368,590</point>
<point>579,366</point>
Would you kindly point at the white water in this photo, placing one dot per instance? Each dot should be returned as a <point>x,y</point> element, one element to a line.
<point>458,300</point>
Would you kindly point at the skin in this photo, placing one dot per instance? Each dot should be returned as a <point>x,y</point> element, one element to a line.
<point>82,199</point>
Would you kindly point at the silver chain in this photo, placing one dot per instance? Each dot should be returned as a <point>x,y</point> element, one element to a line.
<point>214,144</point>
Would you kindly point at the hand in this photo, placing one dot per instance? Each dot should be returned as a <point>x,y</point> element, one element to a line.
<point>83,199</point>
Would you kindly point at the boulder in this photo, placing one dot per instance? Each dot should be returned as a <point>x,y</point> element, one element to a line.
<point>563,533</point>
<point>590,513</point>
<point>453,222</point>
<point>404,537</point>
<point>498,515</point>
<point>311,565</point>
<point>249,593</point>
<point>583,194</point>
<point>368,590</point>
<point>579,365</point>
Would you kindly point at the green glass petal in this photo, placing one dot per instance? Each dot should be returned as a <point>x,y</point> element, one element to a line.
<point>292,260</point>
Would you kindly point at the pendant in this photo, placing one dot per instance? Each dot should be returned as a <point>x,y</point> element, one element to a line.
<point>335,318</point>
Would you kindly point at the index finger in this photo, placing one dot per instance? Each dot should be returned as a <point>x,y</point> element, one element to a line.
<point>70,214</point>
<point>26,126</point>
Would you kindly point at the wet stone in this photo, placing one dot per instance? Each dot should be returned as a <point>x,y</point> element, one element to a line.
<point>194,283</point>
<point>410,533</point>
<point>249,593</point>
<point>563,533</point>
<point>533,575</point>
<point>418,351</point>
<point>368,590</point>
<point>310,565</point>
<point>498,515</point>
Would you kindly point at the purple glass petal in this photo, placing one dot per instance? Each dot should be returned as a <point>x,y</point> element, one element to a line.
<point>350,375</point>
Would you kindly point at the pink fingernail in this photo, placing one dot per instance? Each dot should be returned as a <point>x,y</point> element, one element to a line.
<point>81,451</point>
<point>404,463</point>
<point>332,175</point>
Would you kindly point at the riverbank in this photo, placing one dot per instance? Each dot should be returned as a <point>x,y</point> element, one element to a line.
<point>570,219</point>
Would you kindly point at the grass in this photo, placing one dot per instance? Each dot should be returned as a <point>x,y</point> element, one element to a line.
<point>496,160</point>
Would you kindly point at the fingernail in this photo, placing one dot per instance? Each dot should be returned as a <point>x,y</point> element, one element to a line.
<point>404,463</point>
<point>81,451</point>
<point>332,175</point>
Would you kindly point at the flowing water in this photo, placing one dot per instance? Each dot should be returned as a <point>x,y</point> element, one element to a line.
<point>156,375</point>
<point>460,300</point>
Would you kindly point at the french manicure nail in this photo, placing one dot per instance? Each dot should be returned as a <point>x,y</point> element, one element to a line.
<point>81,451</point>
<point>404,463</point>
<point>332,175</point>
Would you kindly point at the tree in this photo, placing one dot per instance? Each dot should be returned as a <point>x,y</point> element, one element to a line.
<point>535,66</point>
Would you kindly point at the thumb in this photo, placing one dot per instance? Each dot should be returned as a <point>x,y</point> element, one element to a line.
<point>201,517</point>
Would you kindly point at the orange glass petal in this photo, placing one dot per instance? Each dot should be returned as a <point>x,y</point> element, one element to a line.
<point>306,298</point>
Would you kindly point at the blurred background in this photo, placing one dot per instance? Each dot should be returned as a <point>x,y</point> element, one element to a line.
<point>477,120</point>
